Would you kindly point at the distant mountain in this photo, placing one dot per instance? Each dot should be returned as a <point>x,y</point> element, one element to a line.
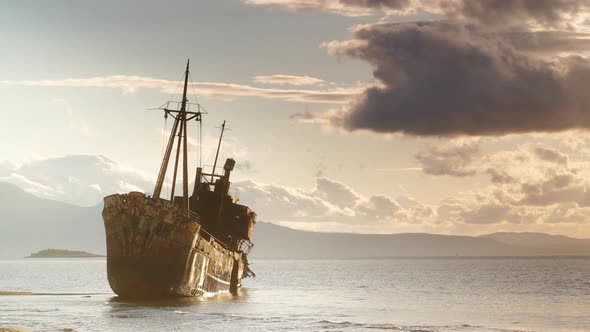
<point>29,224</point>
<point>544,244</point>
<point>273,241</point>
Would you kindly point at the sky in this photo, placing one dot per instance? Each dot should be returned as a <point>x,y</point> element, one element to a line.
<point>369,116</point>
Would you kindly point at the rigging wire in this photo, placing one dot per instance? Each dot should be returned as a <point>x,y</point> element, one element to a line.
<point>192,88</point>
<point>164,141</point>
<point>176,89</point>
<point>200,155</point>
<point>166,185</point>
<point>200,129</point>
<point>163,134</point>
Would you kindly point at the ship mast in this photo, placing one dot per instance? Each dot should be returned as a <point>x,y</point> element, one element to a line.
<point>181,117</point>
<point>217,153</point>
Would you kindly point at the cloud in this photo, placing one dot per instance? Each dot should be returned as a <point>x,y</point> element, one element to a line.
<point>452,159</point>
<point>130,84</point>
<point>448,79</point>
<point>551,155</point>
<point>340,7</point>
<point>378,208</point>
<point>288,80</point>
<point>331,202</point>
<point>463,157</point>
<point>355,8</point>
<point>303,116</point>
<point>524,179</point>
<point>245,166</point>
<point>549,43</point>
<point>77,179</point>
<point>274,202</point>
<point>336,192</point>
<point>481,68</point>
<point>553,194</point>
<point>552,13</point>
<point>30,186</point>
<point>493,214</point>
<point>333,206</point>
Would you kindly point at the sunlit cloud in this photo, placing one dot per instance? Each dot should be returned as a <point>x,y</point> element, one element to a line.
<point>131,84</point>
<point>533,13</point>
<point>540,191</point>
<point>288,80</point>
<point>76,179</point>
<point>313,6</point>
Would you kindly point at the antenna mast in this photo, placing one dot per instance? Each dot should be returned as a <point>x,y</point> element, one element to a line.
<point>217,153</point>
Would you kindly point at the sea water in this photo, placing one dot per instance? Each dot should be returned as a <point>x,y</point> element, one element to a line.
<point>423,294</point>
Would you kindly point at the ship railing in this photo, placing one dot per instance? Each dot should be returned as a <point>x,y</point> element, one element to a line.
<point>194,217</point>
<point>245,246</point>
<point>209,236</point>
<point>250,273</point>
<point>177,105</point>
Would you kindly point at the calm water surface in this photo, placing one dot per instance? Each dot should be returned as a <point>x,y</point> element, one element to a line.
<point>450,294</point>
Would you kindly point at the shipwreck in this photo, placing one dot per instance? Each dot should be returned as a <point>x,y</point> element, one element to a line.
<point>196,244</point>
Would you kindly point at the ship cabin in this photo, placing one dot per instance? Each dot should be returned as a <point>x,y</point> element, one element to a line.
<point>219,213</point>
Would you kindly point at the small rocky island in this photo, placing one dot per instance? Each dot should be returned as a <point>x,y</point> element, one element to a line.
<point>61,253</point>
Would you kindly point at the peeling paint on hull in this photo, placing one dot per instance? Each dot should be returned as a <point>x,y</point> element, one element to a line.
<point>155,251</point>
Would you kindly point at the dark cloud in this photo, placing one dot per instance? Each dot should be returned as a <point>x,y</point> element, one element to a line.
<point>547,13</point>
<point>496,12</point>
<point>444,79</point>
<point>499,176</point>
<point>378,4</point>
<point>341,7</point>
<point>548,43</point>
<point>489,67</point>
<point>551,155</point>
<point>245,166</point>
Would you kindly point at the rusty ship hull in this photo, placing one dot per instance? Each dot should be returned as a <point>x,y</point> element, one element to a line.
<point>156,251</point>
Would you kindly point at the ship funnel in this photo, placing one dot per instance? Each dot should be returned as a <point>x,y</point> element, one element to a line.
<point>229,164</point>
<point>228,167</point>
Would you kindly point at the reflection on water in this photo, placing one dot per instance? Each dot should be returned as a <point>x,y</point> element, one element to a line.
<point>453,294</point>
<point>15,293</point>
<point>117,301</point>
